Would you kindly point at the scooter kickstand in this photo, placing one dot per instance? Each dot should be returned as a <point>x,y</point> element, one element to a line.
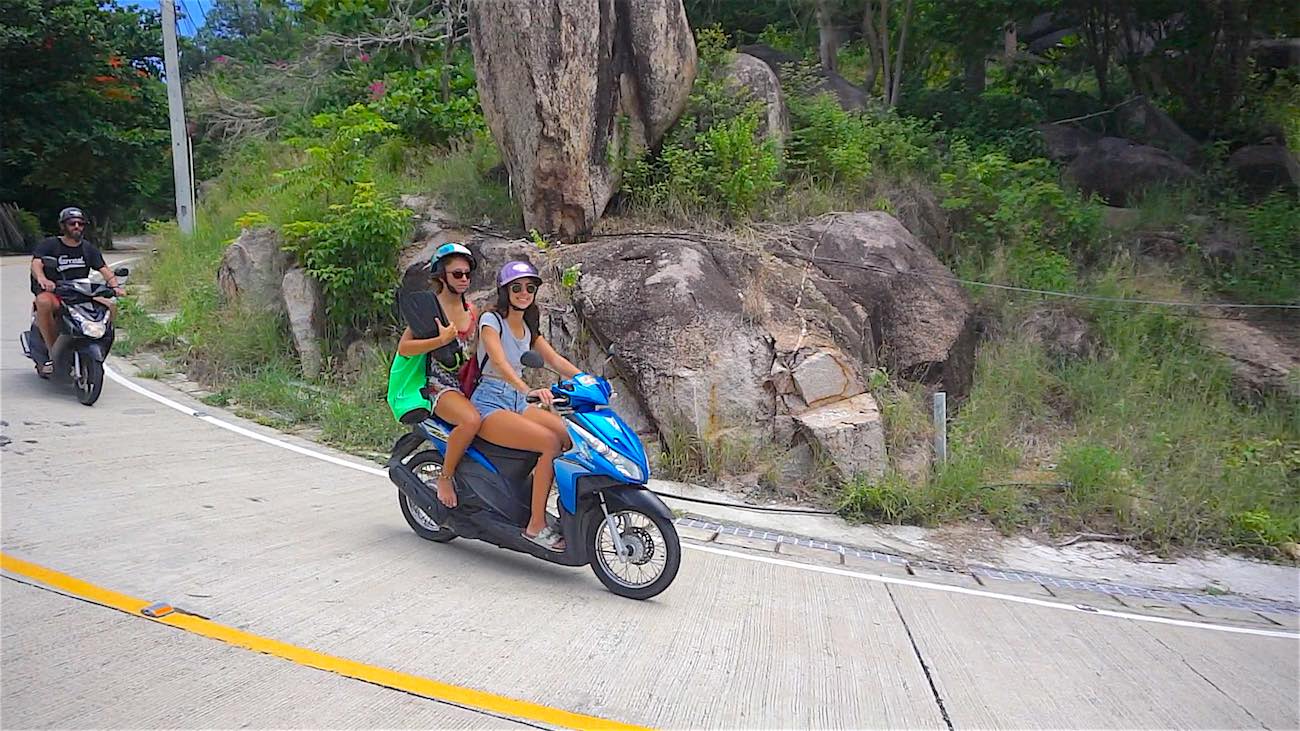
<point>613,529</point>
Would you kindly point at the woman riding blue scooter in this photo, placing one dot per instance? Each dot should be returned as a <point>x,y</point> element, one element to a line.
<point>451,329</point>
<point>507,331</point>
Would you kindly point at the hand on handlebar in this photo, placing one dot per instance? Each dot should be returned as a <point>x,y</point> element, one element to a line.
<point>541,396</point>
<point>46,284</point>
<point>119,291</point>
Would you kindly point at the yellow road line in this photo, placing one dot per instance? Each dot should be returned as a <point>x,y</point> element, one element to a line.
<point>414,684</point>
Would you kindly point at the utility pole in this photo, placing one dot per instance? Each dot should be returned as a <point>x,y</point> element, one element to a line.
<point>176,111</point>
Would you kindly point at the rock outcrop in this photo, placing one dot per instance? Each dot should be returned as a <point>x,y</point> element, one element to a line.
<point>1144,122</point>
<point>252,268</point>
<point>1265,168</point>
<point>305,305</point>
<point>755,81</point>
<point>1119,170</point>
<point>1065,142</point>
<point>768,343</point>
<point>569,87</point>
<point>850,96</point>
<point>1064,335</point>
<point>1262,363</point>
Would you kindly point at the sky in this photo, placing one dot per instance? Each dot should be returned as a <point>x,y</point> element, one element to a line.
<point>192,12</point>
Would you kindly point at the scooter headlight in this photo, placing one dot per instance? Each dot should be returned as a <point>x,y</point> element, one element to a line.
<point>93,328</point>
<point>625,466</point>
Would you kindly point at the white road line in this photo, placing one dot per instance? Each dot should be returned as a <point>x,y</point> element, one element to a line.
<point>119,378</point>
<point>732,554</point>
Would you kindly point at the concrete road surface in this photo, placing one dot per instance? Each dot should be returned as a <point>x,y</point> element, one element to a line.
<point>134,497</point>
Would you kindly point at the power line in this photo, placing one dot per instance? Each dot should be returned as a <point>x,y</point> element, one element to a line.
<point>189,17</point>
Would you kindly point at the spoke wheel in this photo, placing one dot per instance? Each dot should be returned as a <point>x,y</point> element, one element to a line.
<point>650,557</point>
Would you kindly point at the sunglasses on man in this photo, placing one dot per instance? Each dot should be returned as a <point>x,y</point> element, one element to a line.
<point>75,224</point>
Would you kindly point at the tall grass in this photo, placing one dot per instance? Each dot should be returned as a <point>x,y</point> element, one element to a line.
<point>1146,434</point>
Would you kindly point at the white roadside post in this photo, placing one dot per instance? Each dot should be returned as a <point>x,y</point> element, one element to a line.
<point>940,427</point>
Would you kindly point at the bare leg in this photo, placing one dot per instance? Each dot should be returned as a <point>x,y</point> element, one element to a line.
<point>46,307</point>
<point>453,407</point>
<point>509,429</point>
<point>552,421</point>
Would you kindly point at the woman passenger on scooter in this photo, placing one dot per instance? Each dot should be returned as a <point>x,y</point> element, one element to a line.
<point>452,266</point>
<point>506,332</point>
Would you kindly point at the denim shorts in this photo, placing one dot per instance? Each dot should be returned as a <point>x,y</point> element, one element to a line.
<point>493,394</point>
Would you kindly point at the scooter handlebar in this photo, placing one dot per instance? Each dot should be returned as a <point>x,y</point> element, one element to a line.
<point>560,400</point>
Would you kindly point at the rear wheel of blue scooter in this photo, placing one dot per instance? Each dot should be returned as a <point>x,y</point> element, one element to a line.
<point>428,467</point>
<point>652,553</point>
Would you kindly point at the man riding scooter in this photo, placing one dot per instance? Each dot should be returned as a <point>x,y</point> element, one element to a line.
<point>75,258</point>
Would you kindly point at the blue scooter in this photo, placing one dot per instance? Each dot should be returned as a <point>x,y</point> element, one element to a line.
<point>607,516</point>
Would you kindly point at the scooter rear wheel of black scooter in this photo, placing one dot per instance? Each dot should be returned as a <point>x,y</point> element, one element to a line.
<point>654,553</point>
<point>427,466</point>
<point>90,381</point>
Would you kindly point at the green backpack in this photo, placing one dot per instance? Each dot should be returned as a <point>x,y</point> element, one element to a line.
<point>407,378</point>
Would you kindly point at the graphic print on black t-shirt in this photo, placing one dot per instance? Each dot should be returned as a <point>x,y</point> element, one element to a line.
<point>74,262</point>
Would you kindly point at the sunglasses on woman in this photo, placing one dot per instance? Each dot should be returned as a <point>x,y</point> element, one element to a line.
<point>458,273</point>
<point>518,287</point>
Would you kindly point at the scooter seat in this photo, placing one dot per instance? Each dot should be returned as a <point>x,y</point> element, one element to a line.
<point>497,453</point>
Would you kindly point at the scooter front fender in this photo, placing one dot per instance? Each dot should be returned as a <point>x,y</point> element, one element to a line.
<point>636,498</point>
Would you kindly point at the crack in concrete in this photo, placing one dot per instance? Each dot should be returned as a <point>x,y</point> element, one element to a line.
<point>925,668</point>
<point>1202,676</point>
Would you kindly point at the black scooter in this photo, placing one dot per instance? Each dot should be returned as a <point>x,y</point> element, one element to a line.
<point>86,332</point>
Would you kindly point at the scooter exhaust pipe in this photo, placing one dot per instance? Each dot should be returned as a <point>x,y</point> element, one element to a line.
<point>424,497</point>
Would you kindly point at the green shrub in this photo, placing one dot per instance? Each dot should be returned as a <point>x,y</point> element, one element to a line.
<point>1271,271</point>
<point>337,157</point>
<point>830,144</point>
<point>1262,528</point>
<point>728,166</point>
<point>29,226</point>
<point>353,254</point>
<point>1030,265</point>
<point>412,100</point>
<point>998,202</point>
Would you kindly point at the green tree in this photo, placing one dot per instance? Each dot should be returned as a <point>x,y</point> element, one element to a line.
<point>85,111</point>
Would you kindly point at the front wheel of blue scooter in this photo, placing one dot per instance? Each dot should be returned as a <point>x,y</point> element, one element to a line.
<point>651,553</point>
<point>428,467</point>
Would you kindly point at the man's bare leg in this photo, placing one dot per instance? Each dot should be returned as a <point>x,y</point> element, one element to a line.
<point>46,306</point>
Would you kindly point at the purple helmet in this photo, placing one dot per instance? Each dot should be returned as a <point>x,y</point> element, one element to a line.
<point>517,270</point>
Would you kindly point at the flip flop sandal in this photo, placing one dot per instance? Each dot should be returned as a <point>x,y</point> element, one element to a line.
<point>45,371</point>
<point>546,538</point>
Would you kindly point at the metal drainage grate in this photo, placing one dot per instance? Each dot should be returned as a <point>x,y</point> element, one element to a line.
<point>1122,590</point>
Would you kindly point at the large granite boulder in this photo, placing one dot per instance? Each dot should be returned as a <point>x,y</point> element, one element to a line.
<point>850,96</point>
<point>770,345</point>
<point>1144,122</point>
<point>304,303</point>
<point>1265,168</point>
<point>557,79</point>
<point>754,81</point>
<point>1119,170</point>
<point>252,268</point>
<point>1065,142</point>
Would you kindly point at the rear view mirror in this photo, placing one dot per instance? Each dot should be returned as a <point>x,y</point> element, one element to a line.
<point>532,359</point>
<point>122,271</point>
